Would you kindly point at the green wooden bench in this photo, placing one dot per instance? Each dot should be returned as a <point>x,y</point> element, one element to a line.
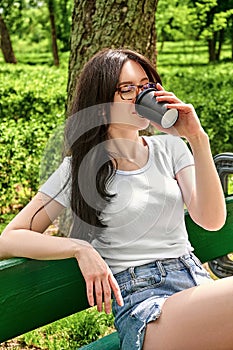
<point>34,293</point>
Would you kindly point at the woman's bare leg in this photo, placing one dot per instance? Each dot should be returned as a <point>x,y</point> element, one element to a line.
<point>200,318</point>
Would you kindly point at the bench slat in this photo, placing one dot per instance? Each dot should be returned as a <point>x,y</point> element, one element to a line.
<point>109,342</point>
<point>34,293</point>
<point>209,245</point>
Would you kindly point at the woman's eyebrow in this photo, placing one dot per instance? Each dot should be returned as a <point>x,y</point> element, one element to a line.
<point>132,83</point>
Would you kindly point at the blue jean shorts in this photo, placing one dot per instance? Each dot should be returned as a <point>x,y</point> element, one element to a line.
<point>144,290</point>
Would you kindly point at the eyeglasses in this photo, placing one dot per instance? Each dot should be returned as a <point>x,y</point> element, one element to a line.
<point>129,92</point>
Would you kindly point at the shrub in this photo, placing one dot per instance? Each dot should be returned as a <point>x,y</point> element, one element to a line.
<point>209,89</point>
<point>32,105</point>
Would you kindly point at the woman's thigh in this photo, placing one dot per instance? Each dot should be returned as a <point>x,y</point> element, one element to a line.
<point>198,318</point>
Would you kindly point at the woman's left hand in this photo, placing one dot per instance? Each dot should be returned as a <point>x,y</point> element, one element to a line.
<point>188,124</point>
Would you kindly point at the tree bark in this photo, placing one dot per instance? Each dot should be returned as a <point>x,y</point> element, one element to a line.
<point>5,43</point>
<point>98,24</point>
<point>220,43</point>
<point>53,32</point>
<point>212,48</point>
<point>231,35</point>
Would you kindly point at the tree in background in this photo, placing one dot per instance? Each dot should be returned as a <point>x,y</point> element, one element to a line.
<point>208,20</point>
<point>174,21</point>
<point>51,8</point>
<point>34,21</point>
<point>97,24</point>
<point>5,43</point>
<point>63,22</point>
<point>6,8</point>
<point>214,23</point>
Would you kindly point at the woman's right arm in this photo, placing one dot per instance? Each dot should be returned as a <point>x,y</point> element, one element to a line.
<point>18,240</point>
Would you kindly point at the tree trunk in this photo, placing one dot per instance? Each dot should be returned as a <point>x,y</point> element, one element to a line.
<point>99,24</point>
<point>211,47</point>
<point>231,35</point>
<point>220,43</point>
<point>232,49</point>
<point>5,42</point>
<point>53,32</point>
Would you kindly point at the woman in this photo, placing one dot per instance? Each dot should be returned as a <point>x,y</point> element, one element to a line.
<point>127,194</point>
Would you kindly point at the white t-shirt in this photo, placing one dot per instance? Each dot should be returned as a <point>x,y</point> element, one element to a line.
<point>145,220</point>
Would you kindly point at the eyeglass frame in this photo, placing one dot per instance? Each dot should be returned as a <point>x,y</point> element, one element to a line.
<point>137,87</point>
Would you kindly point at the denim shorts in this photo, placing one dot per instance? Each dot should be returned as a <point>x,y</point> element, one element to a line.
<point>144,290</point>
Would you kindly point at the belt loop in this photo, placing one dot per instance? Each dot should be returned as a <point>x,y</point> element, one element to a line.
<point>185,262</point>
<point>131,272</point>
<point>161,268</point>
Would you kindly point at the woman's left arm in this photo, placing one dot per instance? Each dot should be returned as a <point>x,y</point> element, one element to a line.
<point>200,184</point>
<point>201,187</point>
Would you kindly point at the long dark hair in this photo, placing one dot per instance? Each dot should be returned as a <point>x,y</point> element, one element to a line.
<point>87,131</point>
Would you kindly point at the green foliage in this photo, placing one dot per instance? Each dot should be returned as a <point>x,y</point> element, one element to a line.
<point>32,105</point>
<point>174,20</point>
<point>230,184</point>
<point>209,89</point>
<point>29,20</point>
<point>71,332</point>
<point>192,19</point>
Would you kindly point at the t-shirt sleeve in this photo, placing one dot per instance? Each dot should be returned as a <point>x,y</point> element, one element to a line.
<point>59,183</point>
<point>182,157</point>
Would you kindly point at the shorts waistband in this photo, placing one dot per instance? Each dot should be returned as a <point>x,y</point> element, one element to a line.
<point>162,265</point>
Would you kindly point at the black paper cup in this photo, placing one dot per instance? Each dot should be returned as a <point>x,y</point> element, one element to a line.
<point>146,106</point>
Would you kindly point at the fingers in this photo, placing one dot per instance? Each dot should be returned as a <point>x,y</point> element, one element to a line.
<point>159,87</point>
<point>99,279</point>
<point>107,297</point>
<point>90,294</point>
<point>182,106</point>
<point>99,291</point>
<point>116,290</point>
<point>188,123</point>
<point>169,97</point>
<point>98,295</point>
<point>165,96</point>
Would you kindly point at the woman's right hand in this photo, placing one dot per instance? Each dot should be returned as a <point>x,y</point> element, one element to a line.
<point>98,277</point>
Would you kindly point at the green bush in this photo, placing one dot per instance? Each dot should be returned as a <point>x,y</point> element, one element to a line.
<point>32,105</point>
<point>209,89</point>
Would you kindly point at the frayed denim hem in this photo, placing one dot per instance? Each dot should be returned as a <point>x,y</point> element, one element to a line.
<point>147,311</point>
<point>153,316</point>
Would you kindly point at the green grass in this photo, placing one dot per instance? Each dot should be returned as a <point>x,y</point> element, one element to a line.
<point>34,54</point>
<point>69,333</point>
<point>188,53</point>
